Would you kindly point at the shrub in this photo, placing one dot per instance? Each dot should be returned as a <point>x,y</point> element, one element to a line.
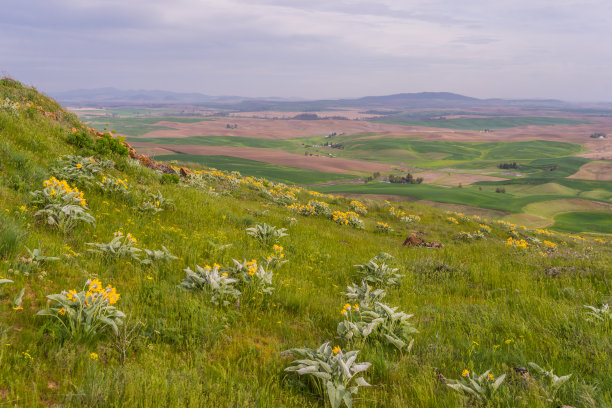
<point>266,234</point>
<point>88,313</point>
<point>476,387</point>
<point>169,178</point>
<point>377,273</point>
<point>218,285</point>
<point>80,139</point>
<point>331,370</point>
<point>379,323</point>
<point>107,144</point>
<point>61,205</point>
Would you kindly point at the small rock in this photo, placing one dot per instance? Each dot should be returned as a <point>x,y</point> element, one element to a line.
<point>185,172</point>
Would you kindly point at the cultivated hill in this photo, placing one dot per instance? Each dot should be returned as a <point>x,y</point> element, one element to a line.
<point>125,284</point>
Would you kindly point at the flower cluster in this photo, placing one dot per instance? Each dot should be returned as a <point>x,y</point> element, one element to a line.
<point>518,243</point>
<point>484,228</point>
<point>88,312</point>
<point>452,220</point>
<point>114,185</point>
<point>347,218</point>
<point>60,189</point>
<point>410,218</point>
<point>358,207</point>
<point>383,227</point>
<point>348,308</point>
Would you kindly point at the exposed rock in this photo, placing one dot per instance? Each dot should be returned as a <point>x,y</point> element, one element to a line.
<point>164,168</point>
<point>185,172</point>
<point>414,240</point>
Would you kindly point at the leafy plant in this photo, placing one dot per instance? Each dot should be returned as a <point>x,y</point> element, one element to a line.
<point>158,255</point>
<point>383,227</point>
<point>347,218</point>
<point>156,203</point>
<point>107,144</point>
<point>551,383</point>
<point>277,258</point>
<point>121,246</point>
<point>477,387</point>
<point>79,170</point>
<point>254,279</point>
<point>600,315</point>
<point>378,322</point>
<point>410,218</point>
<point>37,257</point>
<point>85,314</point>
<point>4,282</point>
<point>330,371</point>
<point>363,294</point>
<point>358,207</point>
<point>112,185</point>
<point>61,205</point>
<point>266,234</point>
<point>376,272</point>
<point>218,285</point>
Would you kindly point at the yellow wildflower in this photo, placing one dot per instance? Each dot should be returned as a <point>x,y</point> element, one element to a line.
<point>491,377</point>
<point>337,349</point>
<point>62,311</point>
<point>93,356</point>
<point>465,373</point>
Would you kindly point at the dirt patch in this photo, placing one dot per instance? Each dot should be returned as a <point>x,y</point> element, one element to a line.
<point>325,164</point>
<point>594,171</point>
<point>453,179</point>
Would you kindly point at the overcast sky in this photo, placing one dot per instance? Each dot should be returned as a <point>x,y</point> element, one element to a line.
<point>315,48</point>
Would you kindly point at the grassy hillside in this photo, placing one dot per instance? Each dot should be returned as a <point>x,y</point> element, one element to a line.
<point>481,302</point>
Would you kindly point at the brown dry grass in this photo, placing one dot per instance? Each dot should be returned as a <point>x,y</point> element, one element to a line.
<point>453,179</point>
<point>594,171</point>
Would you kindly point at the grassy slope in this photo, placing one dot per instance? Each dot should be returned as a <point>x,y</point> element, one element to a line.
<point>591,221</point>
<point>191,353</point>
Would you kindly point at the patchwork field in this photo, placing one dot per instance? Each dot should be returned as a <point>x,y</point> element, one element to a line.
<point>460,163</point>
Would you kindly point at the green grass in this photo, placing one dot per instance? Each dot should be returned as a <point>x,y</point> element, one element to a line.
<point>284,174</point>
<point>477,305</point>
<point>454,195</point>
<point>233,141</point>
<point>138,126</point>
<point>431,154</point>
<point>483,123</point>
<point>584,221</point>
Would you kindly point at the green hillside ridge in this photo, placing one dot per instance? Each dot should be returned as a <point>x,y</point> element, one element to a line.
<point>496,296</point>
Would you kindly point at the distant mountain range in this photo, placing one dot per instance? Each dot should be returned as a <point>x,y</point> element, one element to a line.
<point>108,97</point>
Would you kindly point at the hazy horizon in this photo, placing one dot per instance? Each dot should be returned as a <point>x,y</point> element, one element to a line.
<point>313,50</point>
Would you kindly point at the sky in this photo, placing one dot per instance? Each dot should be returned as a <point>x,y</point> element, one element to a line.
<point>313,49</point>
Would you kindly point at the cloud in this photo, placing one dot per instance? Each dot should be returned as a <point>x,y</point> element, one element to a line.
<point>312,48</point>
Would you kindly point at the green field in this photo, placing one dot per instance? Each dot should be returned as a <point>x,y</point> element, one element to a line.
<point>584,221</point>
<point>394,150</point>
<point>483,123</point>
<point>233,141</point>
<point>284,174</point>
<point>136,126</point>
